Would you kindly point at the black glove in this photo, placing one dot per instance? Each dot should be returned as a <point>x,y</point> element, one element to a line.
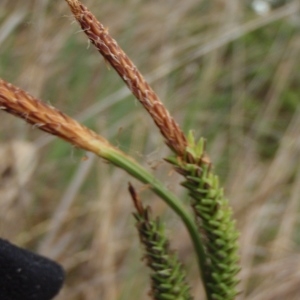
<point>25,275</point>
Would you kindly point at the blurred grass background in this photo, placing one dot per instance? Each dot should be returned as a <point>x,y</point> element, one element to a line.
<point>222,70</point>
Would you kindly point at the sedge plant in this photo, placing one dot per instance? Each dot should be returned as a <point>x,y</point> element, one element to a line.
<point>210,225</point>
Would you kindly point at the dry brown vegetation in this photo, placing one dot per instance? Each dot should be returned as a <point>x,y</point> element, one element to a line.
<point>221,70</point>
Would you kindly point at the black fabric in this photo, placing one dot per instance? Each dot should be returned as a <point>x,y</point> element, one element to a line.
<point>25,275</point>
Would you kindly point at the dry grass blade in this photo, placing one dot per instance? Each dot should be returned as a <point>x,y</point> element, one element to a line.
<point>47,118</point>
<point>112,52</point>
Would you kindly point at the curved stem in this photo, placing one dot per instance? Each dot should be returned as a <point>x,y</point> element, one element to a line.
<point>137,171</point>
<point>17,102</point>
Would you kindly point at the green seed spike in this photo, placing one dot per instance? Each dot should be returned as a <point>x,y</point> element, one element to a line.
<point>215,222</point>
<point>168,276</point>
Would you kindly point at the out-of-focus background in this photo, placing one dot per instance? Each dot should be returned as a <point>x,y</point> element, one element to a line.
<point>229,70</point>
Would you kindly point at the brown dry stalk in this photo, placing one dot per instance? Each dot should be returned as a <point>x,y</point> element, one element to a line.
<point>112,53</point>
<point>19,103</point>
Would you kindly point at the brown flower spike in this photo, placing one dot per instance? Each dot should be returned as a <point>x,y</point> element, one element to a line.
<point>112,53</point>
<point>19,103</point>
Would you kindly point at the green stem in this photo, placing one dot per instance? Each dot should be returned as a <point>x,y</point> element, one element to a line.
<point>137,171</point>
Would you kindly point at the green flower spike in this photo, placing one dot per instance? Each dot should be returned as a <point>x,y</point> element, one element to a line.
<point>168,277</point>
<point>214,218</point>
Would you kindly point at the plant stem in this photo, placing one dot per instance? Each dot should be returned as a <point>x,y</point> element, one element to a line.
<point>47,118</point>
<point>137,171</point>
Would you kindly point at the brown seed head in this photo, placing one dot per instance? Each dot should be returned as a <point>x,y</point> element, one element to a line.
<point>112,53</point>
<point>19,103</point>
